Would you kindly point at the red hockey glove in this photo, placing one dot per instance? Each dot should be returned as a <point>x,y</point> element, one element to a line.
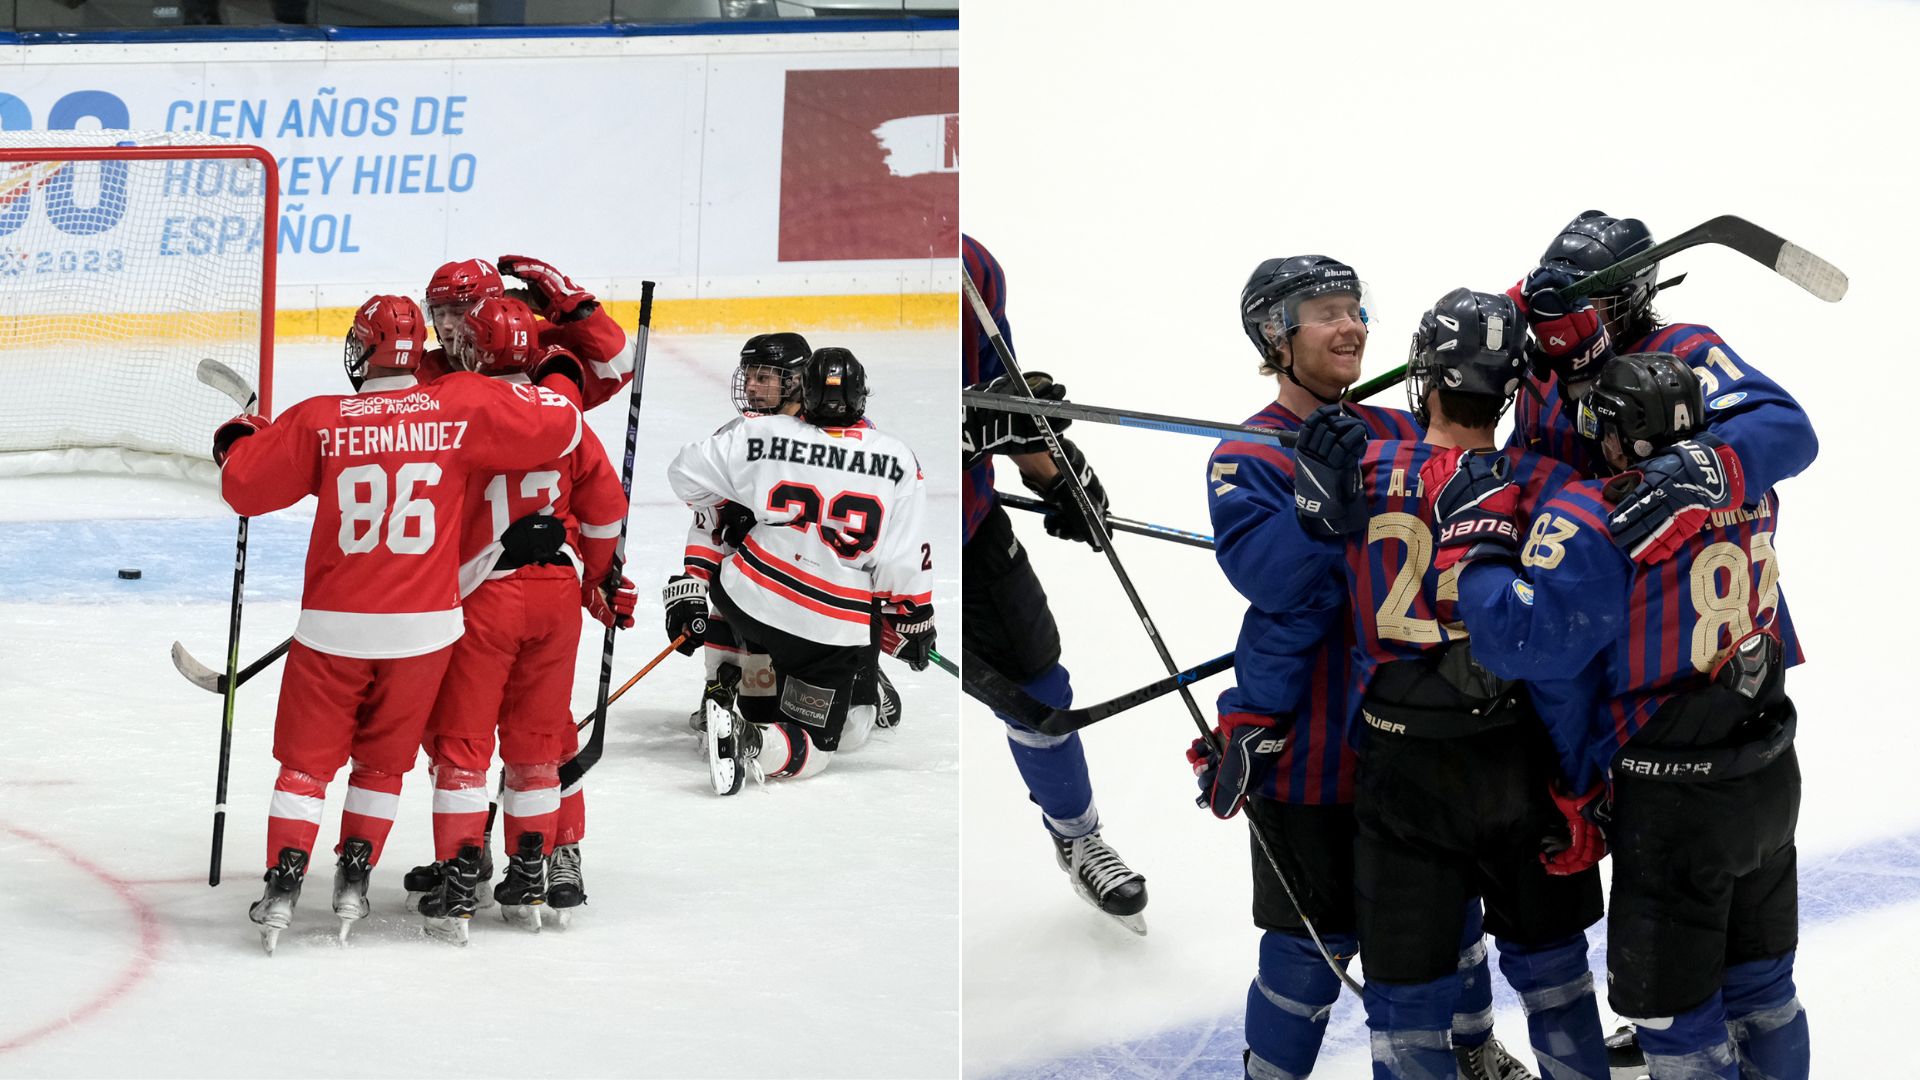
<point>1249,745</point>
<point>1569,339</point>
<point>1585,843</point>
<point>908,634</point>
<point>612,603</point>
<point>685,598</point>
<point>1678,492</point>
<point>232,432</point>
<point>1475,506</point>
<point>554,295</point>
<point>561,372</point>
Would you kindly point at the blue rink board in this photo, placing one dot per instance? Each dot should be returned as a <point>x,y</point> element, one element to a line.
<point>181,561</point>
<point>1873,875</point>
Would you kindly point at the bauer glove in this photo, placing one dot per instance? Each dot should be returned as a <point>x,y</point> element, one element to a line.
<point>1475,506</point>
<point>685,598</point>
<point>1677,494</point>
<point>1244,756</point>
<point>1326,473</point>
<point>1569,340</point>
<point>1586,841</point>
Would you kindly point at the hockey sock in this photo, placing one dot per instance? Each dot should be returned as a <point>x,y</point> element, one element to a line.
<point>1769,1027</point>
<point>531,803</point>
<point>459,807</point>
<point>1473,1012</point>
<point>1563,1018</point>
<point>1410,1025</point>
<point>1054,766</point>
<point>787,754</point>
<point>859,726</point>
<point>1691,1046</point>
<point>570,824</point>
<point>373,798</point>
<point>1289,1002</point>
<point>293,817</point>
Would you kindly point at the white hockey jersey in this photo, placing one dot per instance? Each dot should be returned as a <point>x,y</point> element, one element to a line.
<point>840,512</point>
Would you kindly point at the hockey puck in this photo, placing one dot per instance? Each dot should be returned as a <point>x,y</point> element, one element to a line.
<point>129,575</point>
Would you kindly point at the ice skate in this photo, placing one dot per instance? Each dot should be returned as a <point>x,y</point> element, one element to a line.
<point>274,910</point>
<point>1489,1061</point>
<point>566,889</point>
<point>1103,879</point>
<point>733,745</point>
<point>350,878</point>
<point>420,881</point>
<point>889,702</point>
<point>1624,1057</point>
<point>722,688</point>
<point>449,907</point>
<point>523,892</point>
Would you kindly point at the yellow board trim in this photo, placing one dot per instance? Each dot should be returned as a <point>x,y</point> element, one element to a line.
<point>733,315</point>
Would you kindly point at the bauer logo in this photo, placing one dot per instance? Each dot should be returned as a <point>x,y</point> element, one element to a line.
<point>1727,401</point>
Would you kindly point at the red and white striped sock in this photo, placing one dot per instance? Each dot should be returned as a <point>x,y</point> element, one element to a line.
<point>373,799</point>
<point>293,817</point>
<point>459,809</point>
<point>531,802</point>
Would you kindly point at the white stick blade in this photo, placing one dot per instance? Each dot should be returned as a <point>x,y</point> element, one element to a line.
<point>227,381</point>
<point>1810,272</point>
<point>196,672</point>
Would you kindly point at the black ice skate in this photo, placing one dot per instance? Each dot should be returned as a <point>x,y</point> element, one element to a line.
<point>350,877</point>
<point>422,880</point>
<point>449,907</point>
<point>733,749</point>
<point>721,689</point>
<point>1103,879</point>
<point>1624,1057</point>
<point>1489,1061</point>
<point>889,715</point>
<point>523,892</point>
<point>274,910</point>
<point>566,889</point>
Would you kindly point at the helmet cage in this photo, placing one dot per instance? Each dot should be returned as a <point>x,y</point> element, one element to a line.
<point>762,389</point>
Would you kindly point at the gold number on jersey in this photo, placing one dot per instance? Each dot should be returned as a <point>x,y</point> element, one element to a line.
<point>1716,358</point>
<point>1725,616</point>
<point>1222,470</point>
<point>1547,542</point>
<point>1395,620</point>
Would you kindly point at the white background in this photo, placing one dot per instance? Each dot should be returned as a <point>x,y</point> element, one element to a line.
<point>1129,167</point>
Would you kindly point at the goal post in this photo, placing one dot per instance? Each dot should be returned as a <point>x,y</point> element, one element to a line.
<point>125,259</point>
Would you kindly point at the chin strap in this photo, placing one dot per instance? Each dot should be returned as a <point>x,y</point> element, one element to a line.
<point>1287,373</point>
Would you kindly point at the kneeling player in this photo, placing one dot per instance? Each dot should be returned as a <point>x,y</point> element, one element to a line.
<point>837,530</point>
<point>381,607</point>
<point>1680,701</point>
<point>530,536</point>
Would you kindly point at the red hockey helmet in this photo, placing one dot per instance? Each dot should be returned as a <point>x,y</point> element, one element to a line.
<point>387,332</point>
<point>463,282</point>
<point>497,337</point>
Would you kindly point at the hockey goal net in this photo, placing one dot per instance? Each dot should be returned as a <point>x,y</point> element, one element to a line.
<point>125,259</point>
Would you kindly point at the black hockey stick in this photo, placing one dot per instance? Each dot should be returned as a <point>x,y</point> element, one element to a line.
<point>942,662</point>
<point>572,771</point>
<point>1004,696</point>
<point>215,682</point>
<point>1119,524</point>
<point>227,381</point>
<point>1133,418</point>
<point>1789,260</point>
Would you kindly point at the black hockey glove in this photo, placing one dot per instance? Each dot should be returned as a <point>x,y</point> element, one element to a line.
<point>1064,517</point>
<point>686,599</point>
<point>1475,506</point>
<point>1326,474</point>
<point>1569,340</point>
<point>908,635</point>
<point>735,522</point>
<point>1245,755</point>
<point>989,431</point>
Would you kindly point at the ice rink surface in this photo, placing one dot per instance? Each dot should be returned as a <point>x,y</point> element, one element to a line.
<point>1431,146</point>
<point>796,930</point>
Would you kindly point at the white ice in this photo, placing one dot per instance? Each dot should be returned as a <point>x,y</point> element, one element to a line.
<point>1431,145</point>
<point>803,929</point>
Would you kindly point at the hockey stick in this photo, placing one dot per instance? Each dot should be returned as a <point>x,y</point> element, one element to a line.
<point>943,663</point>
<point>215,682</point>
<point>1100,414</point>
<point>224,379</point>
<point>1789,260</point>
<point>1004,696</point>
<point>572,771</point>
<point>1119,524</point>
<point>628,685</point>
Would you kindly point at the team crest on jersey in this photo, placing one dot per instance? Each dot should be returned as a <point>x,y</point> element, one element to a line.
<point>1728,401</point>
<point>1524,591</point>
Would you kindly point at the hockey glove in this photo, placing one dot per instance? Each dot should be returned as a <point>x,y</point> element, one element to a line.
<point>1064,518</point>
<point>232,432</point>
<point>736,521</point>
<point>686,600</point>
<point>1586,841</point>
<point>1475,506</point>
<point>908,634</point>
<point>1569,339</point>
<point>562,372</point>
<point>986,431</point>
<point>1245,755</point>
<point>612,601</point>
<point>1326,473</point>
<point>1678,492</point>
<point>549,292</point>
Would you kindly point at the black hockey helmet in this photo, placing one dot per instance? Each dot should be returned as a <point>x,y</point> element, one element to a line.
<point>1651,400</point>
<point>786,353</point>
<point>1594,241</point>
<point>833,389</point>
<point>1469,343</point>
<point>1270,301</point>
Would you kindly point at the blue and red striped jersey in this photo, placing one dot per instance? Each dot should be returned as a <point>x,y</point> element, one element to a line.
<point>1604,643</point>
<point>1293,659</point>
<point>980,363</point>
